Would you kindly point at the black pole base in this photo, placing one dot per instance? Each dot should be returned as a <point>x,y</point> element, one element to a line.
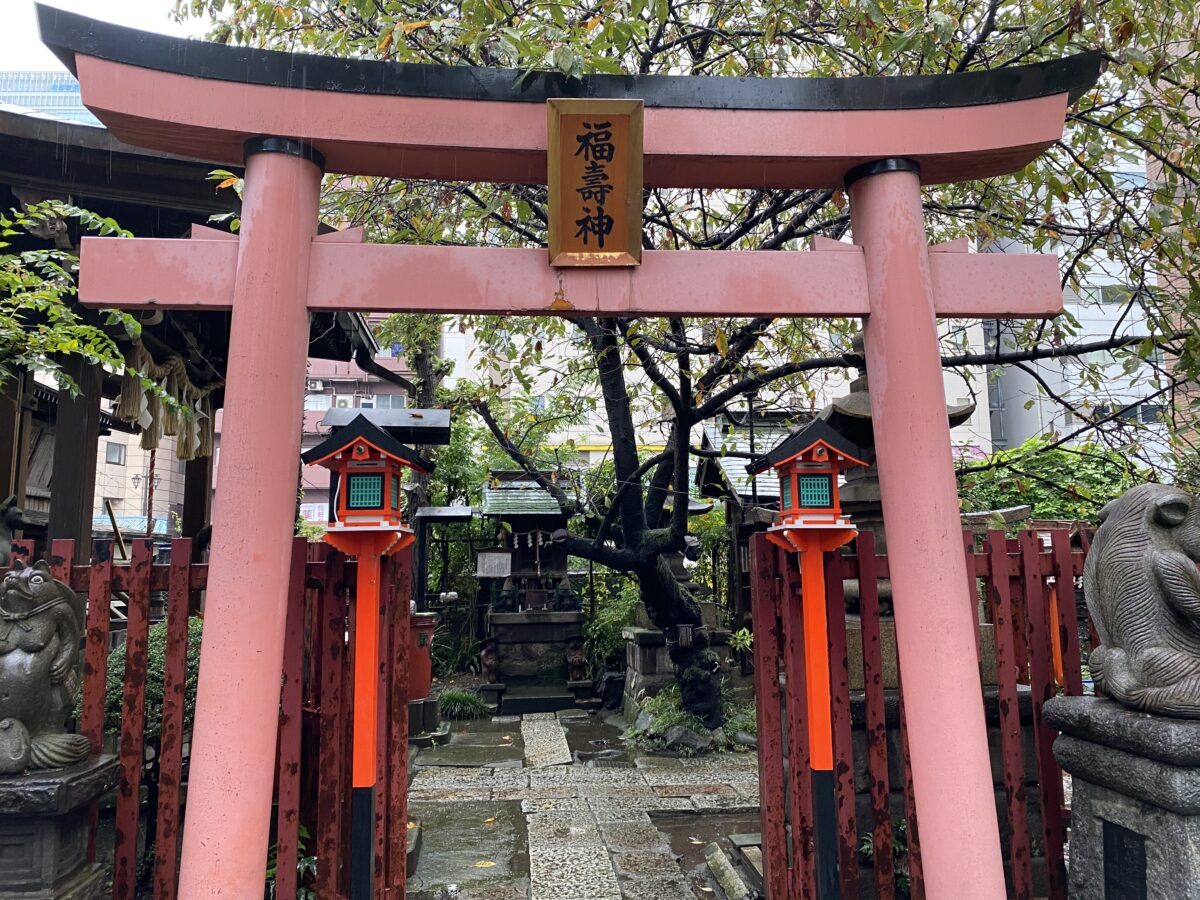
<point>362,842</point>
<point>825,814</point>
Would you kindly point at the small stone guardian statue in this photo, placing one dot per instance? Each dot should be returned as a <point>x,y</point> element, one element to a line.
<point>1143,592</point>
<point>41,621</point>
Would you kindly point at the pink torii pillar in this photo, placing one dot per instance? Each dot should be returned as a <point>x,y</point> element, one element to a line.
<point>920,504</point>
<point>260,439</point>
<point>885,136</point>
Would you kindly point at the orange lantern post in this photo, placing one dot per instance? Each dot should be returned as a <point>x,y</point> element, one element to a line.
<point>808,463</point>
<point>368,466</point>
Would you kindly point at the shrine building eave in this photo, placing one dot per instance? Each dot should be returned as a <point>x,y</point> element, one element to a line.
<point>372,117</point>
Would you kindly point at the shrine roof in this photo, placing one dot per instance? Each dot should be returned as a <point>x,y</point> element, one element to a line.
<point>378,117</point>
<point>507,494</point>
<point>362,428</point>
<point>818,430</point>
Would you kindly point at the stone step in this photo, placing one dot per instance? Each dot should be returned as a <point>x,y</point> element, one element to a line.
<point>549,700</point>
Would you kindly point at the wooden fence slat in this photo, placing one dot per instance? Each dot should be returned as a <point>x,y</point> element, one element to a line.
<point>332,786</point>
<point>397,775</point>
<point>916,873</point>
<point>287,821</point>
<point>159,578</point>
<point>1020,614</point>
<point>876,719</point>
<point>1010,717</point>
<point>765,590</point>
<point>1067,624</point>
<point>843,748</point>
<point>95,664</point>
<point>1042,688</point>
<point>170,765</point>
<point>62,551</point>
<point>24,550</point>
<point>133,724</point>
<point>803,862</point>
<point>973,594</point>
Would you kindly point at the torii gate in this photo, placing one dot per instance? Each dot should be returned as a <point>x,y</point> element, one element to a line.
<point>288,116</point>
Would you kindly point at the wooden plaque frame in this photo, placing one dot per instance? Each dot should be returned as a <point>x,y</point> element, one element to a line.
<point>625,241</point>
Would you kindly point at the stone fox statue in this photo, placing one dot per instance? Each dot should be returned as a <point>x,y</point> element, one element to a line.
<point>1143,591</point>
<point>41,621</point>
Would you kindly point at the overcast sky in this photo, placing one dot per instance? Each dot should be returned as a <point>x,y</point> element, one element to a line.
<point>21,48</point>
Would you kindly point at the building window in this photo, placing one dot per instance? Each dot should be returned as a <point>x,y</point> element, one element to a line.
<point>365,492</point>
<point>391,401</point>
<point>1152,413</point>
<point>316,401</point>
<point>785,489</point>
<point>816,491</point>
<point>114,454</point>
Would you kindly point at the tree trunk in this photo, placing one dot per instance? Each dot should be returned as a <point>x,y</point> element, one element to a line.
<point>697,667</point>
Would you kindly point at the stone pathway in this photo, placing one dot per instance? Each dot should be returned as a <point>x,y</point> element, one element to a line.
<point>588,832</point>
<point>545,741</point>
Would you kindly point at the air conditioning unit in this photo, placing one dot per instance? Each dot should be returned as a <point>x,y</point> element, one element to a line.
<point>314,385</point>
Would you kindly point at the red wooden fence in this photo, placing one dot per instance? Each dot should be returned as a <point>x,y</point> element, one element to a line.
<point>1028,588</point>
<point>316,686</point>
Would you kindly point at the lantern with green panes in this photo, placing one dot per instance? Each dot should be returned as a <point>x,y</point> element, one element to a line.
<point>808,463</point>
<point>368,471</point>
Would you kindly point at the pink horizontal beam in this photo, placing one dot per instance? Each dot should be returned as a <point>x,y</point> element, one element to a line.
<point>508,281</point>
<point>476,140</point>
<point>157,272</point>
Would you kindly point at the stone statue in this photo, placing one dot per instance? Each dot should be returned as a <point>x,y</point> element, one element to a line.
<point>11,519</point>
<point>41,621</point>
<point>1143,592</point>
<point>489,660</point>
<point>576,659</point>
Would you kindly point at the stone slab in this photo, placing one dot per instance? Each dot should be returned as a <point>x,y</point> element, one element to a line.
<point>545,743</point>
<point>646,864</point>
<point>657,889</point>
<point>459,838</point>
<point>1173,788</point>
<point>1168,846</point>
<point>58,791</point>
<point>470,756</point>
<point>1104,721</point>
<point>626,837</point>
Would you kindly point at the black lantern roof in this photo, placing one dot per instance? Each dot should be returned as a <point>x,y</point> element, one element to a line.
<point>800,440</point>
<point>418,426</point>
<point>362,428</point>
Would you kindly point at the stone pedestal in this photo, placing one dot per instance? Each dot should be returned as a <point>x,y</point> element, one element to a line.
<point>1135,809</point>
<point>532,644</point>
<point>648,667</point>
<point>44,832</point>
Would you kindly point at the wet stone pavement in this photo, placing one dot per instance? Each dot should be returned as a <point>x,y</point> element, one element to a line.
<point>557,807</point>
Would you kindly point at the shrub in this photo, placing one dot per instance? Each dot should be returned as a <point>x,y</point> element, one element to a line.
<point>615,610</point>
<point>666,711</point>
<point>458,704</point>
<point>156,656</point>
